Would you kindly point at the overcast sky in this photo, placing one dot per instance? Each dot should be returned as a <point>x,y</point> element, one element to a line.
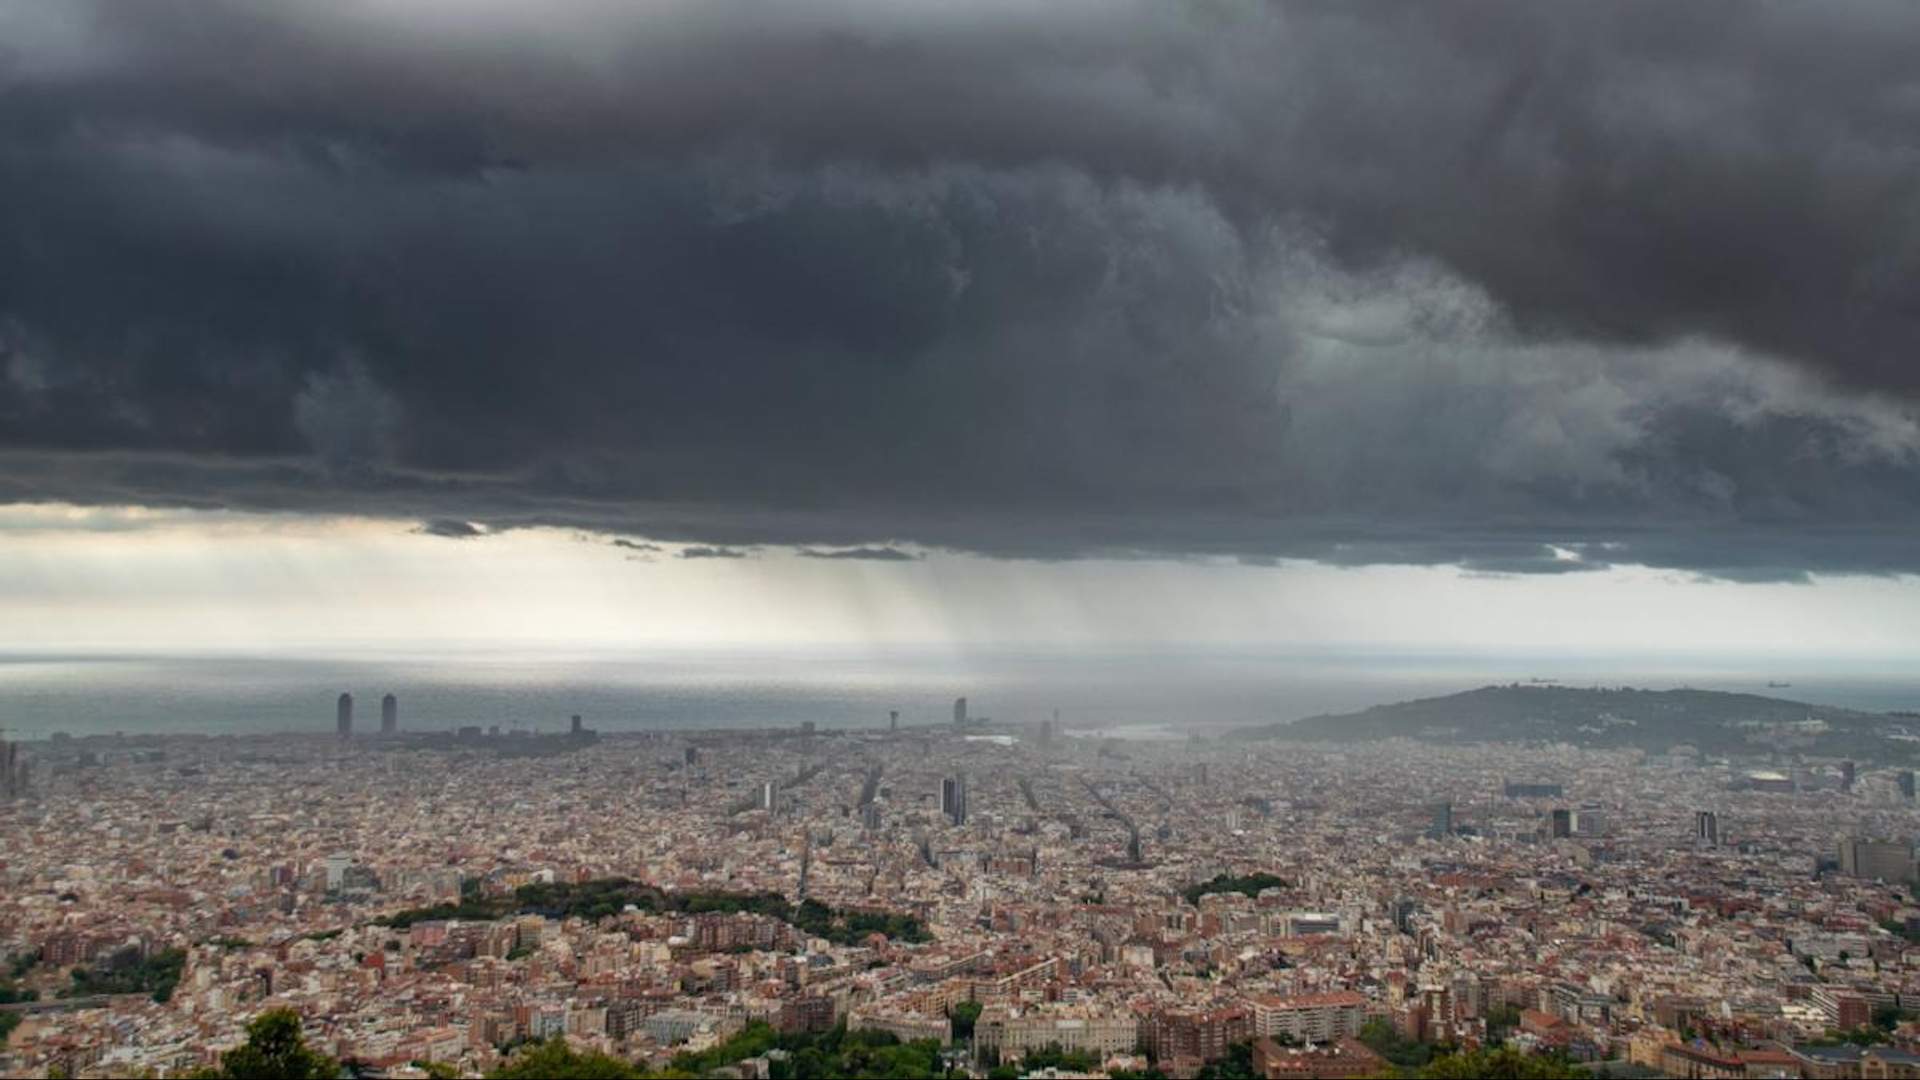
<point>1128,320</point>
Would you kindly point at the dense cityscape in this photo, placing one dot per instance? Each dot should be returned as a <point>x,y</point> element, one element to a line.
<point>1018,900</point>
<point>961,539</point>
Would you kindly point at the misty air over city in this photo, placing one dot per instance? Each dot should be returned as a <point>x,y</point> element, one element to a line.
<point>1127,539</point>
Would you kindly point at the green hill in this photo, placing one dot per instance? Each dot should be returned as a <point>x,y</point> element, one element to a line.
<point>1711,720</point>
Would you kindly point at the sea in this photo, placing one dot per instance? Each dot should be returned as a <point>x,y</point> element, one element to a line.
<point>1156,693</point>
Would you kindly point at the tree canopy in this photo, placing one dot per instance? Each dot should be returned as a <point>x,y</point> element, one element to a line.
<point>275,1050</point>
<point>555,1060</point>
<point>1502,1064</point>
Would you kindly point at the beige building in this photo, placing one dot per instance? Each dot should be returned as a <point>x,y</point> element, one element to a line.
<point>1006,1032</point>
<point>906,1027</point>
<point>1310,1018</point>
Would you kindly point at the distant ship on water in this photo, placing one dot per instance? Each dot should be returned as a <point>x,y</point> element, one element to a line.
<point>1771,685</point>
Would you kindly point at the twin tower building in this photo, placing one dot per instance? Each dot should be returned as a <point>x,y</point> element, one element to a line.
<point>389,715</point>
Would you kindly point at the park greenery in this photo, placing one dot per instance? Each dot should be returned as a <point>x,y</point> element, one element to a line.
<point>1250,885</point>
<point>1501,1064</point>
<point>127,972</point>
<point>1900,929</point>
<point>555,1060</point>
<point>856,1055</point>
<point>11,995</point>
<point>1052,1056</point>
<point>1237,1065</point>
<point>1501,1020</point>
<point>274,1050</point>
<point>1885,1019</point>
<point>964,1016</point>
<point>1383,1039</point>
<point>610,896</point>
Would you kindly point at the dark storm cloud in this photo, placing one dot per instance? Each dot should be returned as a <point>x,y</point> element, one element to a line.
<point>450,528</point>
<point>1523,288</point>
<point>712,553</point>
<point>867,554</point>
<point>634,545</point>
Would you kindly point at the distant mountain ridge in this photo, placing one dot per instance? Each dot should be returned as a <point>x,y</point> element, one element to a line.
<point>1713,721</point>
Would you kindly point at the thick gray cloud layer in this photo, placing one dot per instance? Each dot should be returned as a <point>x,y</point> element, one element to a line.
<point>1525,288</point>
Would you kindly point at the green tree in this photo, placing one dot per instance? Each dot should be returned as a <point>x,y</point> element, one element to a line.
<point>964,1016</point>
<point>1237,1065</point>
<point>275,1050</point>
<point>1251,885</point>
<point>1888,1017</point>
<point>555,1060</point>
<point>1500,1021</point>
<point>127,972</point>
<point>1501,1064</point>
<point>1382,1039</point>
<point>1053,1055</point>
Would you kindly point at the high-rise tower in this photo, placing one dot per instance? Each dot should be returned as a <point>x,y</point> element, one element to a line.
<point>11,770</point>
<point>1562,819</point>
<point>1706,828</point>
<point>959,712</point>
<point>343,716</point>
<point>953,798</point>
<point>389,715</point>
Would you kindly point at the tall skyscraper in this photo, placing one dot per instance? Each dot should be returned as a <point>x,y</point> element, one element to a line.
<point>1562,823</point>
<point>12,772</point>
<point>953,798</point>
<point>389,715</point>
<point>959,712</point>
<point>770,796</point>
<point>1442,820</point>
<point>1846,776</point>
<point>343,716</point>
<point>893,719</point>
<point>1905,779</point>
<point>1706,828</point>
<point>576,727</point>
